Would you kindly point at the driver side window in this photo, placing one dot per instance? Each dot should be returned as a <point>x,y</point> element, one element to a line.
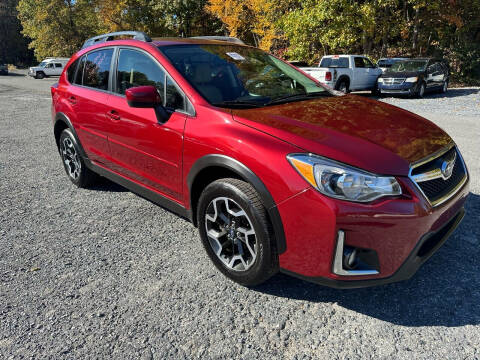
<point>137,69</point>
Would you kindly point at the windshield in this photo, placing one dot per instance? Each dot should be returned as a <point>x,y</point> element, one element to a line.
<point>334,62</point>
<point>42,64</point>
<point>409,65</point>
<point>229,75</point>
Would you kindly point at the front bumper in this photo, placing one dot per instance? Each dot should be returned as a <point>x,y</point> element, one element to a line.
<point>404,233</point>
<point>406,88</point>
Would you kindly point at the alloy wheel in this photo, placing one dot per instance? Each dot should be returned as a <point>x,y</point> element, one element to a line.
<point>231,234</point>
<point>70,158</point>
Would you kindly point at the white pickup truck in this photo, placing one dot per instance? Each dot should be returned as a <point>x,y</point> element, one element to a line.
<point>48,67</point>
<point>346,72</point>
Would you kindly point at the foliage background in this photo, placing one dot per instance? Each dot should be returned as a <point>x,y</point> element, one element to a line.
<point>292,29</point>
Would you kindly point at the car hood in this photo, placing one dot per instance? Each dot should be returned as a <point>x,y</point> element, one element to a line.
<point>362,132</point>
<point>402,74</point>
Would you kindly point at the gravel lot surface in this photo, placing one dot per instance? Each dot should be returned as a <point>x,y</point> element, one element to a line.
<point>102,273</point>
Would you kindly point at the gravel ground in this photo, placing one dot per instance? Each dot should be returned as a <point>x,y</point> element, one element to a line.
<point>102,273</point>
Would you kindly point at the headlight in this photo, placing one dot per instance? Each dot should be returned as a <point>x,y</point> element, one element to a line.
<point>342,181</point>
<point>380,80</point>
<point>411,79</point>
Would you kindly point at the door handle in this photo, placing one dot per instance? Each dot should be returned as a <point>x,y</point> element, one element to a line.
<point>112,114</point>
<point>72,100</point>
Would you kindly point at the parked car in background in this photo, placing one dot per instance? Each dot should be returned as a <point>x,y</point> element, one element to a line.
<point>277,171</point>
<point>346,72</point>
<point>3,69</point>
<point>386,63</point>
<point>48,67</point>
<point>415,77</point>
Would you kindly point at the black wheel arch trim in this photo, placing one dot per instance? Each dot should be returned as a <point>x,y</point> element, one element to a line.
<point>61,117</point>
<point>248,175</point>
<point>340,79</point>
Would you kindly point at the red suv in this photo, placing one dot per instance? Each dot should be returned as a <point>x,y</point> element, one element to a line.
<point>277,171</point>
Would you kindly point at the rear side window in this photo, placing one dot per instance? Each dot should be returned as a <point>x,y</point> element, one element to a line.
<point>58,65</point>
<point>137,69</point>
<point>71,71</point>
<point>79,73</point>
<point>97,69</point>
<point>340,62</point>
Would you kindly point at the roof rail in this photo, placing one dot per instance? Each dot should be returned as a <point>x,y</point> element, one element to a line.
<point>220,38</point>
<point>137,35</point>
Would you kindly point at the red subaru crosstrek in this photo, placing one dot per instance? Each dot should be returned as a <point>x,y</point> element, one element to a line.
<point>277,171</point>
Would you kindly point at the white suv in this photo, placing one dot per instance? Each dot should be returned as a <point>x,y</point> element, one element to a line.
<point>346,72</point>
<point>48,67</point>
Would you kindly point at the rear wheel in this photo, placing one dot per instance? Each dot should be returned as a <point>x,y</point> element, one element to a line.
<point>343,86</point>
<point>236,233</point>
<point>444,87</point>
<point>73,163</point>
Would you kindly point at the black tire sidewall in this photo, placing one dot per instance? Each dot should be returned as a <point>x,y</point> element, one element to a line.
<point>82,178</point>
<point>264,267</point>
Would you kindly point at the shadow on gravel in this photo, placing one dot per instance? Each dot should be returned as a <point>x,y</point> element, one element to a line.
<point>444,292</point>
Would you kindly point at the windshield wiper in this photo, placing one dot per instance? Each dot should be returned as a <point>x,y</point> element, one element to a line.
<point>297,97</point>
<point>239,103</point>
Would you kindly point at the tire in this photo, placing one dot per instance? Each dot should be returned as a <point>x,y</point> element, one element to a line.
<point>375,91</point>
<point>421,91</point>
<point>343,86</point>
<point>73,162</point>
<point>39,75</point>
<point>243,247</point>
<point>444,88</point>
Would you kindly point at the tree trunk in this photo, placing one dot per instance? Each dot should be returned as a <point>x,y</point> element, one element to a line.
<point>415,30</point>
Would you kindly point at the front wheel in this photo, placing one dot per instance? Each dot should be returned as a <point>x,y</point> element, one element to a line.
<point>421,91</point>
<point>236,232</point>
<point>39,75</point>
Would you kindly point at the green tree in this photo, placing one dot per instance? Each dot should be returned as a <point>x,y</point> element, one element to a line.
<point>57,27</point>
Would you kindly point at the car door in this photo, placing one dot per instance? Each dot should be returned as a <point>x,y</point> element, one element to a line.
<point>360,75</point>
<point>372,73</point>
<point>430,79</point>
<point>142,148</point>
<point>58,68</point>
<point>438,75</point>
<point>49,69</point>
<point>88,96</point>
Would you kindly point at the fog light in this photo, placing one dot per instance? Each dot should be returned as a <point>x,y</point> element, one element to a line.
<point>351,261</point>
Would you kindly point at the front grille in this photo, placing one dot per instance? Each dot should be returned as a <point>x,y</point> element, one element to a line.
<point>393,81</point>
<point>433,183</point>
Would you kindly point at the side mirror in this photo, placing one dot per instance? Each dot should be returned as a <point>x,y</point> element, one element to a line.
<point>143,97</point>
<point>147,97</point>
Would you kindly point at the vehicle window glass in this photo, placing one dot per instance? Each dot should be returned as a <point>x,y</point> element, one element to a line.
<point>79,73</point>
<point>359,62</point>
<point>49,66</point>
<point>71,71</point>
<point>97,69</point>
<point>368,63</point>
<point>239,74</point>
<point>409,65</point>
<point>331,62</point>
<point>58,65</point>
<point>138,69</point>
<point>174,99</point>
